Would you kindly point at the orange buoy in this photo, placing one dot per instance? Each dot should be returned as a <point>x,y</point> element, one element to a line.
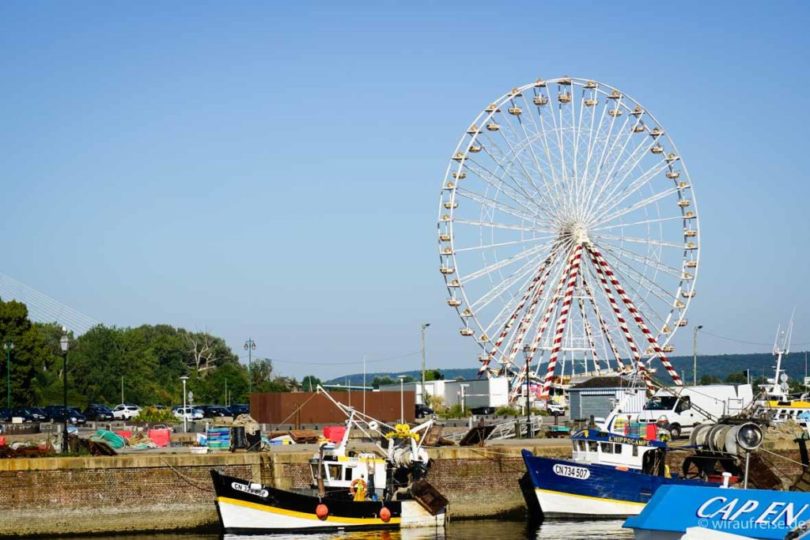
<point>322,511</point>
<point>385,514</point>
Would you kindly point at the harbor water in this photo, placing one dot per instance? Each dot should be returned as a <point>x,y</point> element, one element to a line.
<point>456,530</point>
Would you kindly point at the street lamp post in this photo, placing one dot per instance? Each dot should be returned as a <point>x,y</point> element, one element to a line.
<point>463,404</point>
<point>9,346</point>
<point>424,327</point>
<point>250,346</point>
<point>694,354</point>
<point>184,378</point>
<point>64,342</point>
<point>402,399</point>
<point>526,351</point>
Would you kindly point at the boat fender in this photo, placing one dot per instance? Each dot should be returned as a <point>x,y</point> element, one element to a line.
<point>322,511</point>
<point>358,486</point>
<point>385,514</point>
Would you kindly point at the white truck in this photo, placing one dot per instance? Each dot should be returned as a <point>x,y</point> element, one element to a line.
<point>686,407</point>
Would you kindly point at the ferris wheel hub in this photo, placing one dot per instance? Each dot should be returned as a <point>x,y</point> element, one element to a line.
<point>575,232</point>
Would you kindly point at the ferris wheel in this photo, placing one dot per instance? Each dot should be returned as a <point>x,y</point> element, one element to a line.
<point>568,233</point>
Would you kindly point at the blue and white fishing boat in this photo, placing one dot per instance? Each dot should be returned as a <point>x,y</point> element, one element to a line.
<point>609,475</point>
<point>749,513</point>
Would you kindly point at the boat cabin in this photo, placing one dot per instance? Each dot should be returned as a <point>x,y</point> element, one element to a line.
<point>601,448</point>
<point>340,471</point>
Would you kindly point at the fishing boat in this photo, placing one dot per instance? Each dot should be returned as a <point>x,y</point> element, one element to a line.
<point>614,475</point>
<point>748,513</point>
<point>385,489</point>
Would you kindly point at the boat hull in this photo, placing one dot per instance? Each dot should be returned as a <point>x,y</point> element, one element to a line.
<point>565,488</point>
<point>250,509</point>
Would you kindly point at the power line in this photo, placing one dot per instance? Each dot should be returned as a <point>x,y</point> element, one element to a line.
<point>351,363</point>
<point>736,340</point>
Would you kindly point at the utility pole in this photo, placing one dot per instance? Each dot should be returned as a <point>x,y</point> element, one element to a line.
<point>694,354</point>
<point>250,346</point>
<point>424,327</point>
<point>122,389</point>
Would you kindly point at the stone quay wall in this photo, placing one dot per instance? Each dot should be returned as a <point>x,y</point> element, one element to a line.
<point>172,492</point>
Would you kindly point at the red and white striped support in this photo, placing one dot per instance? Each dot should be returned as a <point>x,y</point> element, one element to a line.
<point>631,307</point>
<point>526,321</point>
<point>536,288</point>
<point>602,325</point>
<point>589,334</point>
<point>550,309</point>
<point>631,343</point>
<point>562,319</point>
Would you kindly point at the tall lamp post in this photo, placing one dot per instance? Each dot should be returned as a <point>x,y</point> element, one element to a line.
<point>8,346</point>
<point>694,354</point>
<point>250,346</point>
<point>63,344</point>
<point>184,378</point>
<point>526,350</point>
<point>424,327</point>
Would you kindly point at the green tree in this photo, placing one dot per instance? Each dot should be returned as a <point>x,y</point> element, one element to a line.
<point>709,379</point>
<point>310,383</point>
<point>736,378</point>
<point>382,381</point>
<point>434,375</point>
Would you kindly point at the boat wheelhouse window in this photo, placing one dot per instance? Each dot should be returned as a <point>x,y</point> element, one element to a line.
<point>591,446</point>
<point>661,403</point>
<point>581,446</point>
<point>347,473</point>
<point>617,448</point>
<point>607,448</point>
<point>635,451</point>
<point>334,472</point>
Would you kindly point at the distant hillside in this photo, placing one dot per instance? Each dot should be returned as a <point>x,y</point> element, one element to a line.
<point>718,365</point>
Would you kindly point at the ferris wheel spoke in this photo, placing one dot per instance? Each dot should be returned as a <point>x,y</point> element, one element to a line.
<point>506,285</point>
<point>643,149</point>
<point>615,182</point>
<point>645,241</point>
<point>494,225</point>
<point>598,220</point>
<point>482,199</point>
<point>664,295</point>
<point>650,221</point>
<point>652,263</point>
<point>588,196</point>
<point>549,184</point>
<point>500,244</point>
<point>492,180</point>
<point>505,262</point>
<point>634,286</point>
<point>615,200</point>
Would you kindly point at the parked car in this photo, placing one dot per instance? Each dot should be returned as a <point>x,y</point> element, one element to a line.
<point>5,415</point>
<point>58,413</point>
<point>423,410</point>
<point>190,413</point>
<point>239,408</point>
<point>555,409</point>
<point>126,411</point>
<point>483,411</point>
<point>215,411</point>
<point>25,414</point>
<point>98,412</point>
<point>39,413</point>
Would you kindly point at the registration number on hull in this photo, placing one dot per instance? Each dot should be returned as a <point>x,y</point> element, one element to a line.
<point>569,471</point>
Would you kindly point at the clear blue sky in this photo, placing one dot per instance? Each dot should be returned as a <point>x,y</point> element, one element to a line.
<point>273,169</point>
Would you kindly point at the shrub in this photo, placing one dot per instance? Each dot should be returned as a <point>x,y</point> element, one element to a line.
<point>153,415</point>
<point>507,411</point>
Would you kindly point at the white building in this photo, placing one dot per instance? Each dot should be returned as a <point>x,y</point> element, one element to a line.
<point>492,392</point>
